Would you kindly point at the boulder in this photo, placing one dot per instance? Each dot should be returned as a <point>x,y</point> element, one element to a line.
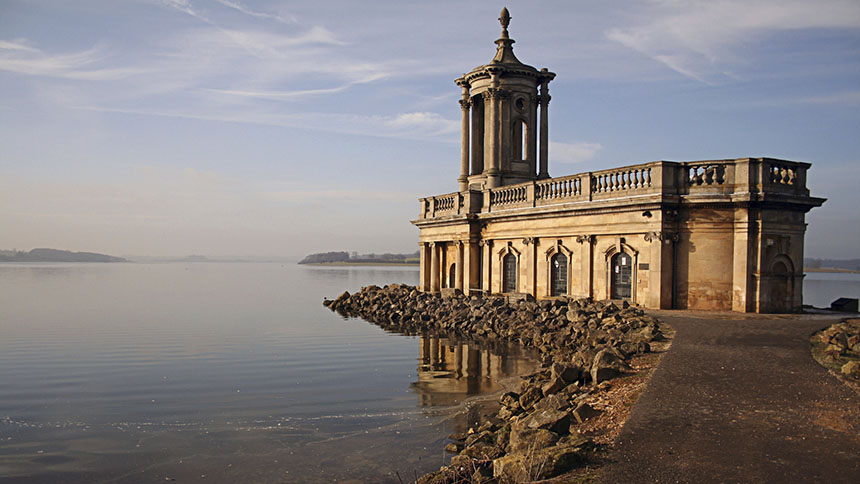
<point>584,411</point>
<point>851,369</point>
<point>523,440</point>
<point>557,421</point>
<point>553,386</point>
<point>482,451</point>
<point>607,365</point>
<point>566,373</point>
<point>540,464</point>
<point>529,397</point>
<point>552,402</point>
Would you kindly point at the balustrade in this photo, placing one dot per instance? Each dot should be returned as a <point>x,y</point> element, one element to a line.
<point>710,178</point>
<point>624,179</point>
<point>509,195</point>
<point>558,188</point>
<point>781,173</point>
<point>706,174</point>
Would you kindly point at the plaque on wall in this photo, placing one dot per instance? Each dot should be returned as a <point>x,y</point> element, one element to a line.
<point>643,267</point>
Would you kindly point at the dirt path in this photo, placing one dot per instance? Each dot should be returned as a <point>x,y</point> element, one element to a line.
<point>739,399</point>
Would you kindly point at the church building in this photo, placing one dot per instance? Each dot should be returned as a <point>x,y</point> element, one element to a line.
<point>722,234</point>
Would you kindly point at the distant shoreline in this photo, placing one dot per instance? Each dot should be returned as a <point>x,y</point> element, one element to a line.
<point>381,263</point>
<point>830,269</point>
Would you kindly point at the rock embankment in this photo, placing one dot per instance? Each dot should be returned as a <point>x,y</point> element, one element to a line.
<point>535,433</point>
<point>838,347</point>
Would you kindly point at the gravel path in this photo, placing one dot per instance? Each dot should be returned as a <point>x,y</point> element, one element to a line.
<point>739,399</point>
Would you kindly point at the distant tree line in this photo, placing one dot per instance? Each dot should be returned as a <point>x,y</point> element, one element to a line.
<point>54,255</point>
<point>847,264</point>
<point>346,257</point>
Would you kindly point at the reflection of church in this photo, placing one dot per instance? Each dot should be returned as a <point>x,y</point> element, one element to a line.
<point>449,371</point>
<point>718,234</point>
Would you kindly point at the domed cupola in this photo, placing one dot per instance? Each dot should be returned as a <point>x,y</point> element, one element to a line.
<point>502,98</point>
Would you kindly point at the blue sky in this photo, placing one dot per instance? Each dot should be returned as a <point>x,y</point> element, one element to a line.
<point>227,127</point>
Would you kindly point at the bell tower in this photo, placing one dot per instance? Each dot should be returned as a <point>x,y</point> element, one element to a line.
<point>501,142</point>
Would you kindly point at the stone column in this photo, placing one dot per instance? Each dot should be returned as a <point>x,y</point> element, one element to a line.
<point>492,133</point>
<point>465,104</point>
<point>586,255</point>
<point>434,267</point>
<point>487,266</point>
<point>422,265</point>
<point>458,268</point>
<point>543,99</point>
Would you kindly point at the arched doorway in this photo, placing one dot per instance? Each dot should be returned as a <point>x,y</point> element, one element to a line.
<point>621,276</point>
<point>781,290</point>
<point>558,275</point>
<point>509,273</point>
<point>452,276</point>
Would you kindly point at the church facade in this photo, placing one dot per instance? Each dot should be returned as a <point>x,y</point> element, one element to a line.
<point>723,234</point>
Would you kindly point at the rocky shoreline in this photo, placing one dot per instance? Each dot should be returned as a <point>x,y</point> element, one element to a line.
<point>542,430</point>
<point>837,348</point>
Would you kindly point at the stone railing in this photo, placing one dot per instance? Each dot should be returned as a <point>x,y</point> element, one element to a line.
<point>510,195</point>
<point>559,188</point>
<point>711,178</point>
<point>441,205</point>
<point>705,173</point>
<point>620,179</point>
<point>782,176</point>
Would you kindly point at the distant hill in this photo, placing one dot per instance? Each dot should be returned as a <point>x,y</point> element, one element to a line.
<point>54,255</point>
<point>354,258</point>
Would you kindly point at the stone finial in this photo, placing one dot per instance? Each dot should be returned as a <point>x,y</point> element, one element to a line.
<point>505,19</point>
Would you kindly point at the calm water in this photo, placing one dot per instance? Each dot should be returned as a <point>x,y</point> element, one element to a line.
<point>120,373</point>
<point>822,288</point>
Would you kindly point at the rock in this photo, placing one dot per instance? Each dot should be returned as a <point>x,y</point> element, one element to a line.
<point>557,421</point>
<point>482,451</point>
<point>851,369</point>
<point>567,373</point>
<point>552,402</point>
<point>529,397</point>
<point>832,350</point>
<point>584,412</point>
<point>537,465</point>
<point>531,439</point>
<point>510,400</point>
<point>553,386</point>
<point>484,436</point>
<point>453,448</point>
<point>607,365</point>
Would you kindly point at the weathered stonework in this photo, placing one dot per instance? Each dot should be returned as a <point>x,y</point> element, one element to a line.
<point>717,234</point>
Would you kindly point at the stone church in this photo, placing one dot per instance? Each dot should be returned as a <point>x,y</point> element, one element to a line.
<point>722,234</point>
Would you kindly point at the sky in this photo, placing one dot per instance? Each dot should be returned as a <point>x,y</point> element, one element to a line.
<point>281,128</point>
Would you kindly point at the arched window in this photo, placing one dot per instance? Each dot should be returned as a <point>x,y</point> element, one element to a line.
<point>509,273</point>
<point>452,276</point>
<point>621,276</point>
<point>558,274</point>
<point>519,144</point>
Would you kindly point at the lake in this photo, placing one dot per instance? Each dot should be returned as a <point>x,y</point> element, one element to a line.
<point>126,373</point>
<point>822,288</point>
<point>222,372</point>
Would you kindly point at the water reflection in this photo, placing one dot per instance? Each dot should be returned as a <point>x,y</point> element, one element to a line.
<point>450,371</point>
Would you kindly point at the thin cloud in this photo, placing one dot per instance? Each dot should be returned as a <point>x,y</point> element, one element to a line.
<point>247,11</point>
<point>24,59</point>
<point>701,40</point>
<point>420,126</point>
<point>573,152</point>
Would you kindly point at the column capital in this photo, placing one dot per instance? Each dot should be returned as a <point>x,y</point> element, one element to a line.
<point>544,99</point>
<point>465,104</point>
<point>580,239</point>
<point>662,236</point>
